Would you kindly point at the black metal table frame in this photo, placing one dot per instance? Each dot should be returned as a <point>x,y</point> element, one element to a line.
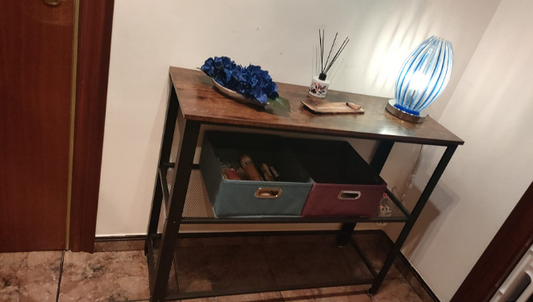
<point>175,200</point>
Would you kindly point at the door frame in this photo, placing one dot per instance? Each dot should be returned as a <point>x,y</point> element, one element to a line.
<point>95,23</point>
<point>504,252</point>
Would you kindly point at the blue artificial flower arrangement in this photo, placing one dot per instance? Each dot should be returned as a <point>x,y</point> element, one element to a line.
<point>251,81</point>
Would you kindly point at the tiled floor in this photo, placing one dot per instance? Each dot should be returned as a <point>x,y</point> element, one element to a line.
<point>29,276</point>
<point>118,273</point>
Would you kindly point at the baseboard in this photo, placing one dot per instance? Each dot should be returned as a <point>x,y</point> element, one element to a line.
<point>120,238</point>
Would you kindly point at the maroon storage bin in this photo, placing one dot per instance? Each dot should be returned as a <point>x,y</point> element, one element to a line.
<point>344,184</point>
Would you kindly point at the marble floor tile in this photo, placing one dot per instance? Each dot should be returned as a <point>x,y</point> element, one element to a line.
<point>29,277</point>
<point>222,267</point>
<point>205,264</point>
<point>299,239</point>
<point>296,264</point>
<point>357,265</point>
<point>260,297</point>
<point>208,242</point>
<point>418,288</point>
<point>403,267</point>
<point>370,246</point>
<point>396,290</point>
<point>105,276</point>
<point>356,293</point>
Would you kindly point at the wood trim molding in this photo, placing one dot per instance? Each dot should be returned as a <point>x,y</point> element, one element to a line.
<point>502,255</point>
<point>94,46</point>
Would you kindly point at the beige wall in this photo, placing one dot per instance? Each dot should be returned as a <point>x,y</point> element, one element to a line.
<point>477,192</point>
<point>491,110</point>
<point>148,36</point>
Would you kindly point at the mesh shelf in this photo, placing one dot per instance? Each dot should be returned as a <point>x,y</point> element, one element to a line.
<point>224,264</point>
<point>198,209</point>
<point>197,203</point>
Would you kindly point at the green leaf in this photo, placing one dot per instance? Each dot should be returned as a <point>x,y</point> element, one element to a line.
<point>280,103</point>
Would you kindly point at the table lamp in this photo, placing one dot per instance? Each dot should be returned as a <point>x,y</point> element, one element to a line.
<point>422,79</point>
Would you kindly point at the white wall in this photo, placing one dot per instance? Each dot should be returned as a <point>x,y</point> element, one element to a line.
<point>486,102</point>
<point>148,36</point>
<point>491,110</point>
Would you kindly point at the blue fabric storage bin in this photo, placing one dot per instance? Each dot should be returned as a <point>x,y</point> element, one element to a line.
<point>232,198</point>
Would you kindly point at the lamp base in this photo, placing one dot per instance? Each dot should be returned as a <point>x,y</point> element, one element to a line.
<point>404,115</point>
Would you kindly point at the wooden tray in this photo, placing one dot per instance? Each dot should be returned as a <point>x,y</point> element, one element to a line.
<point>332,107</point>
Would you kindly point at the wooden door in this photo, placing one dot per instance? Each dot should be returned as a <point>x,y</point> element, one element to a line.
<point>504,252</point>
<point>36,51</point>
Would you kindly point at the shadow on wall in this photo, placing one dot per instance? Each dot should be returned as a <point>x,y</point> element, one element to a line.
<point>442,201</point>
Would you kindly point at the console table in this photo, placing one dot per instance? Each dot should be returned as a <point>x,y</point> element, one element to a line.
<point>193,101</point>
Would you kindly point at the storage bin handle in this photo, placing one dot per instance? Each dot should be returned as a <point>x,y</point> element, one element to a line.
<point>268,193</point>
<point>349,195</point>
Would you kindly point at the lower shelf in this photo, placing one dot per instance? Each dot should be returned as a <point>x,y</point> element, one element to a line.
<point>229,264</point>
<point>198,210</point>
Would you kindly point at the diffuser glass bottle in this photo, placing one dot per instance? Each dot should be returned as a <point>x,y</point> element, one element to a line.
<point>319,84</point>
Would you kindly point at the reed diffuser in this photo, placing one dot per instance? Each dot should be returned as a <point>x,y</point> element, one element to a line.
<point>319,85</point>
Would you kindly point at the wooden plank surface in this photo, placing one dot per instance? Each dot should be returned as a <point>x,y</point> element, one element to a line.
<point>35,96</point>
<point>94,45</point>
<point>200,101</point>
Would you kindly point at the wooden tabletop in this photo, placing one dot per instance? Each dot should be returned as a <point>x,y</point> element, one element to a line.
<point>200,101</point>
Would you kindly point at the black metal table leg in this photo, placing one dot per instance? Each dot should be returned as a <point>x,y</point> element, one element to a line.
<point>380,156</point>
<point>378,161</point>
<point>432,183</point>
<point>157,201</point>
<point>184,161</point>
<point>345,233</point>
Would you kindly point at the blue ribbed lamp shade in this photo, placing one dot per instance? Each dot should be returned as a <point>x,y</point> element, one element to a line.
<point>424,75</point>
